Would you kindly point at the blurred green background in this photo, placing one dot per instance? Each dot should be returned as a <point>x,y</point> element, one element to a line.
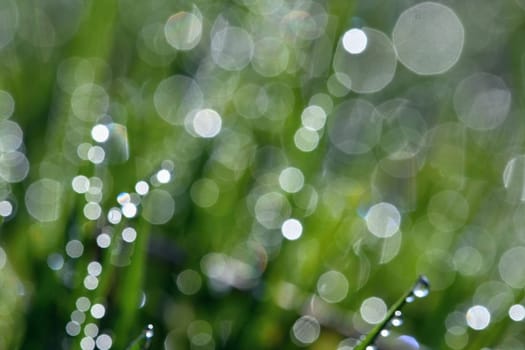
<point>261,174</point>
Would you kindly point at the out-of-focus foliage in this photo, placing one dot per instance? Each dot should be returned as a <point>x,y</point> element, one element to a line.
<point>261,174</point>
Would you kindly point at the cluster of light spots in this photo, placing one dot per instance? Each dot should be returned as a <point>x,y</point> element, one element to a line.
<point>129,235</point>
<point>232,48</point>
<point>332,286</point>
<point>291,180</point>
<point>183,30</point>
<point>508,262</point>
<point>373,310</point>
<point>482,101</point>
<point>55,261</point>
<point>478,317</point>
<point>6,208</point>
<point>292,229</point>
<point>306,330</point>
<point>517,312</point>
<point>428,38</point>
<point>271,209</point>
<point>43,200</point>
<point>383,220</point>
<point>200,333</point>
<point>207,123</point>
<point>205,192</point>
<point>356,127</point>
<point>189,282</point>
<point>158,207</point>
<point>78,317</point>
<point>369,71</point>
<point>100,133</point>
<point>355,41</point>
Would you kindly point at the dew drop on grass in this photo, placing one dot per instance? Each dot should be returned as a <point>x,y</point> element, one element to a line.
<point>422,287</point>
<point>148,332</point>
<point>397,320</point>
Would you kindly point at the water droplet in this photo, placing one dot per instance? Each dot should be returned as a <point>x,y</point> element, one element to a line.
<point>385,332</point>
<point>397,320</point>
<point>422,287</point>
<point>148,332</point>
<point>410,298</point>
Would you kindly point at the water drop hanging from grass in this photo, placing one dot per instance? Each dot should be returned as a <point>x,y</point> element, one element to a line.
<point>421,288</point>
